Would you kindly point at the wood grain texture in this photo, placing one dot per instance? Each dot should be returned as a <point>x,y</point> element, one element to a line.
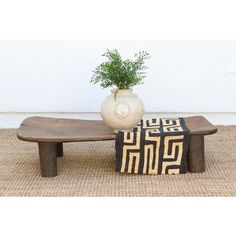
<point>35,129</point>
<point>43,129</point>
<point>59,149</point>
<point>196,154</point>
<point>199,125</point>
<point>48,159</point>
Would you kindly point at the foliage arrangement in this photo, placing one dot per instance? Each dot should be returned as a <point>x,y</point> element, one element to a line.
<point>120,73</point>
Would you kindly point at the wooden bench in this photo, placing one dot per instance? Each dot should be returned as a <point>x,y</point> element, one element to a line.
<point>51,133</point>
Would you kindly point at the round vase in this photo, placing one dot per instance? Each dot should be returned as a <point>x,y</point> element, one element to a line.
<point>122,110</point>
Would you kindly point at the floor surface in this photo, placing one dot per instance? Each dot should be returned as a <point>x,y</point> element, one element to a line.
<point>87,169</point>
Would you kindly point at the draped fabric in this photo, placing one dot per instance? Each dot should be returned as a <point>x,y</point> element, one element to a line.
<point>154,146</point>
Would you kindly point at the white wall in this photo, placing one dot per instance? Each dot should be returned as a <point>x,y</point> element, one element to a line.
<point>53,76</point>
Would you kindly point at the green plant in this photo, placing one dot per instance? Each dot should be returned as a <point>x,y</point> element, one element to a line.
<point>122,74</point>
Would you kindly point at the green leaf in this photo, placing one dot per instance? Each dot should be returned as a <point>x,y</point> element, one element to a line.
<point>122,74</point>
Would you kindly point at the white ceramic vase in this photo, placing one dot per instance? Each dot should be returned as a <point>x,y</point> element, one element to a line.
<point>122,110</point>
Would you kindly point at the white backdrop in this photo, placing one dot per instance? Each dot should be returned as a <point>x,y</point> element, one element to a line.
<point>53,76</point>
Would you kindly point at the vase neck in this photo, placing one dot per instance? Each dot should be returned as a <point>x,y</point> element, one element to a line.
<point>121,91</point>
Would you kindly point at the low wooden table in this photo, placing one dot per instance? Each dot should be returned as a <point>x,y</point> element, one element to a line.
<point>51,133</point>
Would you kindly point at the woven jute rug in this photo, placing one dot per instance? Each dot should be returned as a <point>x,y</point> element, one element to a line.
<point>88,169</point>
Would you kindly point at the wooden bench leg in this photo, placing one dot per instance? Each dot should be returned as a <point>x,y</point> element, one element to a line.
<point>48,159</point>
<point>196,156</point>
<point>59,149</point>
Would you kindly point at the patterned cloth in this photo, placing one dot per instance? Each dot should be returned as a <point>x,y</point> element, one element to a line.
<point>155,146</point>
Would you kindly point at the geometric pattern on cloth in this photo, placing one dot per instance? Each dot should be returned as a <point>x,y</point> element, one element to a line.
<point>154,146</point>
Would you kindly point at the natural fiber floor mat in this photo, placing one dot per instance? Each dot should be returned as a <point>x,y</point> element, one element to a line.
<point>87,169</point>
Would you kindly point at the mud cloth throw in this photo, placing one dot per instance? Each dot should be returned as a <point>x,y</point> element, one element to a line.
<point>154,146</point>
